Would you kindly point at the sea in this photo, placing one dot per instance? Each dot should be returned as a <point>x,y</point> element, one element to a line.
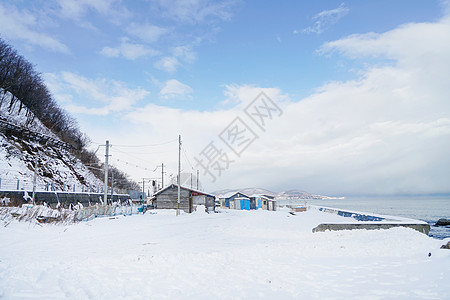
<point>426,208</point>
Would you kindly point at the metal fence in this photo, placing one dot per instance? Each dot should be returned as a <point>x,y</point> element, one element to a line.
<point>26,184</point>
<point>91,212</point>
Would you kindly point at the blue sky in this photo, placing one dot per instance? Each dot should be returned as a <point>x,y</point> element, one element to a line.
<point>142,72</point>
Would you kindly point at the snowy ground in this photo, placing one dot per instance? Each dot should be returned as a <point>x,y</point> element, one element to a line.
<point>228,255</point>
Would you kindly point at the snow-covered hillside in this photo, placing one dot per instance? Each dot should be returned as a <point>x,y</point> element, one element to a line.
<point>228,255</point>
<point>57,167</point>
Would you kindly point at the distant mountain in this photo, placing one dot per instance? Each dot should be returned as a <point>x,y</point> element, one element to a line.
<point>296,194</point>
<point>285,195</point>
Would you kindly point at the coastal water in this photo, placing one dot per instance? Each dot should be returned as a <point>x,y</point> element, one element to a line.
<point>428,209</point>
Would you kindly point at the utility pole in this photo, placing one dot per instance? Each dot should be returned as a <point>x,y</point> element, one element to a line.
<point>191,180</point>
<point>34,179</point>
<point>112,186</point>
<point>162,175</point>
<point>143,191</point>
<point>106,173</point>
<point>197,180</point>
<point>179,171</point>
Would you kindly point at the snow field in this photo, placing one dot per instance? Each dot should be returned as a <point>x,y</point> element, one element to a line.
<point>232,254</point>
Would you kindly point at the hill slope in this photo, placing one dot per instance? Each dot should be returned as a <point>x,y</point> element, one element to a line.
<point>24,146</point>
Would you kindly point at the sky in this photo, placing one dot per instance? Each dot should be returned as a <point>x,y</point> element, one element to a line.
<point>335,98</point>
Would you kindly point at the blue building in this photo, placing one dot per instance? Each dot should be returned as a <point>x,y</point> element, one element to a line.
<point>229,197</point>
<point>242,203</point>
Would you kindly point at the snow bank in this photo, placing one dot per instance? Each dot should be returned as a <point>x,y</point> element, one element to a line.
<point>228,255</point>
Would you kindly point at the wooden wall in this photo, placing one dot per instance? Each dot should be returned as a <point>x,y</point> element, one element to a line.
<point>168,199</point>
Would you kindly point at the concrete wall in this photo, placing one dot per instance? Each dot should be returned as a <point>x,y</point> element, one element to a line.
<point>368,221</point>
<point>424,228</point>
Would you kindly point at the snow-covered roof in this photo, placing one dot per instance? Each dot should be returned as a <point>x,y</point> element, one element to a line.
<point>231,194</point>
<point>182,187</point>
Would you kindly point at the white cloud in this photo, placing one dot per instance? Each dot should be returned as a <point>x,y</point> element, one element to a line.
<point>184,53</point>
<point>326,18</point>
<point>196,11</point>
<point>101,96</point>
<point>147,32</point>
<point>78,9</point>
<point>174,89</point>
<point>168,64</point>
<point>386,132</point>
<point>241,95</point>
<point>418,38</point>
<point>22,25</point>
<point>129,50</point>
<point>180,54</point>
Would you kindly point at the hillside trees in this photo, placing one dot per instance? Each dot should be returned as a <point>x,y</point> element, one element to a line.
<point>27,91</point>
<point>23,89</point>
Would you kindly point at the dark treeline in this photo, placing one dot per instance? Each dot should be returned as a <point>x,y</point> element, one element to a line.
<point>22,89</point>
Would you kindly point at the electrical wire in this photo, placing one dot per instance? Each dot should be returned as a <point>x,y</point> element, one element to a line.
<point>187,158</point>
<point>150,145</point>
<point>135,157</point>
<point>132,164</point>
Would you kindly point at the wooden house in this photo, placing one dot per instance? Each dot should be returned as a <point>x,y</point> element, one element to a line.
<point>189,199</point>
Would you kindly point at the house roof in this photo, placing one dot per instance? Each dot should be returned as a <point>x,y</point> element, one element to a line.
<point>231,194</point>
<point>269,197</point>
<point>181,187</point>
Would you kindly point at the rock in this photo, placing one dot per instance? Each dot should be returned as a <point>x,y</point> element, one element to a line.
<point>442,222</point>
<point>446,246</point>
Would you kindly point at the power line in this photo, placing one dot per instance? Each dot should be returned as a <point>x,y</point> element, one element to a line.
<point>146,152</point>
<point>135,157</point>
<point>132,164</point>
<point>150,145</point>
<point>187,158</point>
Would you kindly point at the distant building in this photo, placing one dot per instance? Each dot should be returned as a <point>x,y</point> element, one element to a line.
<point>227,200</point>
<point>255,201</point>
<point>268,202</point>
<point>189,199</point>
<point>263,201</point>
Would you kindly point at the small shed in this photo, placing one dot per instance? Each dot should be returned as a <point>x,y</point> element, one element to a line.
<point>189,198</point>
<point>255,201</point>
<point>268,203</point>
<point>242,203</point>
<point>227,200</point>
